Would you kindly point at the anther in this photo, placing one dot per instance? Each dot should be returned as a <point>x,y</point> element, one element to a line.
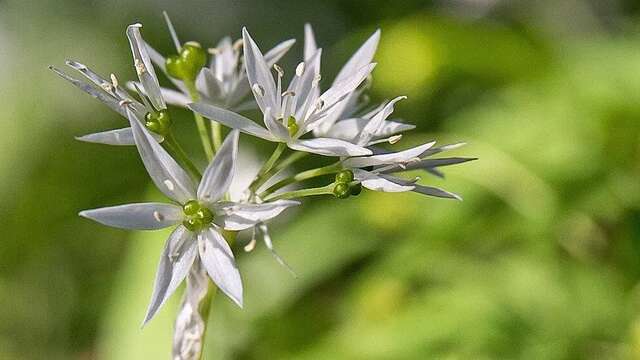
<point>288,93</point>
<point>394,139</point>
<point>300,69</point>
<point>258,89</point>
<point>124,102</point>
<point>213,51</point>
<point>237,45</point>
<point>158,216</point>
<point>169,185</point>
<point>140,68</point>
<point>279,70</point>
<point>114,80</point>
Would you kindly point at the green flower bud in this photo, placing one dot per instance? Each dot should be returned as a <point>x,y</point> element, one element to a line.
<point>204,214</point>
<point>192,224</point>
<point>193,59</point>
<point>356,189</point>
<point>159,123</point>
<point>292,126</point>
<point>175,66</point>
<point>341,190</point>
<point>191,207</point>
<point>344,176</point>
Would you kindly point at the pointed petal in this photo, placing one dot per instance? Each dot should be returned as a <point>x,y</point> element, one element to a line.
<point>277,52</point>
<point>310,45</point>
<point>96,93</point>
<point>275,127</point>
<point>423,189</point>
<point>376,182</point>
<point>176,260</point>
<point>165,172</point>
<point>340,89</point>
<point>111,137</point>
<point>429,164</point>
<point>219,174</point>
<point>329,147</point>
<point>349,129</point>
<point>140,216</point>
<point>170,96</point>
<point>208,85</point>
<point>363,56</point>
<point>232,120</point>
<point>144,68</point>
<point>221,266</point>
<point>375,125</point>
<point>236,216</point>
<point>258,73</point>
<point>400,157</point>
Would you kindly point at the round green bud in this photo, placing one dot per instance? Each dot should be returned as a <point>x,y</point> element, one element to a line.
<point>341,190</point>
<point>356,189</point>
<point>193,57</point>
<point>191,207</point>
<point>163,118</point>
<point>344,176</point>
<point>192,224</point>
<point>292,126</point>
<point>204,215</point>
<point>153,126</point>
<point>174,66</point>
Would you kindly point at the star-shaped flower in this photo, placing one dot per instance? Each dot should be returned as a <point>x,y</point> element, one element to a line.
<point>200,213</point>
<point>224,82</point>
<point>291,114</point>
<point>115,97</point>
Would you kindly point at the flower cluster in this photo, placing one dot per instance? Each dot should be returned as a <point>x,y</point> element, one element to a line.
<point>305,118</point>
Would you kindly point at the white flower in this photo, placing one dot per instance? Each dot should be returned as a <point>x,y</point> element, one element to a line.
<point>224,82</point>
<point>200,215</point>
<point>375,172</point>
<point>115,97</point>
<point>290,114</point>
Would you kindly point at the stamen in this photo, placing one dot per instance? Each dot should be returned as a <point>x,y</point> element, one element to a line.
<point>251,245</point>
<point>258,89</point>
<point>394,139</point>
<point>237,45</point>
<point>319,104</point>
<point>288,93</point>
<point>213,51</point>
<point>114,80</point>
<point>300,69</point>
<point>279,70</point>
<point>107,87</point>
<point>316,80</point>
<point>125,102</point>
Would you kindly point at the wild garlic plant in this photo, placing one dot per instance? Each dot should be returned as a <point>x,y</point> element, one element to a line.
<point>301,120</point>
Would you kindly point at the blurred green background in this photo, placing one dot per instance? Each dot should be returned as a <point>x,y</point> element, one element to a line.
<point>541,260</point>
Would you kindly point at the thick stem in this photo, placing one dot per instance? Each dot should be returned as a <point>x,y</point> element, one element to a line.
<point>325,190</point>
<point>202,126</point>
<point>266,168</point>
<point>305,175</point>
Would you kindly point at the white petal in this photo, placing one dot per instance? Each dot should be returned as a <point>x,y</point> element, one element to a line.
<point>329,147</point>
<point>96,93</point>
<point>232,120</point>
<point>218,260</point>
<point>169,95</point>
<point>375,125</point>
<point>390,158</point>
<point>235,217</point>
<point>141,216</point>
<point>258,72</point>
<point>362,57</point>
<point>423,189</point>
<point>165,172</point>
<point>375,182</point>
<point>208,85</point>
<point>310,46</point>
<point>179,253</point>
<point>144,68</point>
<point>277,52</point>
<point>99,80</point>
<point>111,137</point>
<point>349,129</point>
<point>275,127</point>
<point>219,174</point>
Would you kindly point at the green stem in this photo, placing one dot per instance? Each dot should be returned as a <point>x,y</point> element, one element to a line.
<point>266,168</point>
<point>324,190</point>
<point>173,147</point>
<point>202,126</point>
<point>305,175</point>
